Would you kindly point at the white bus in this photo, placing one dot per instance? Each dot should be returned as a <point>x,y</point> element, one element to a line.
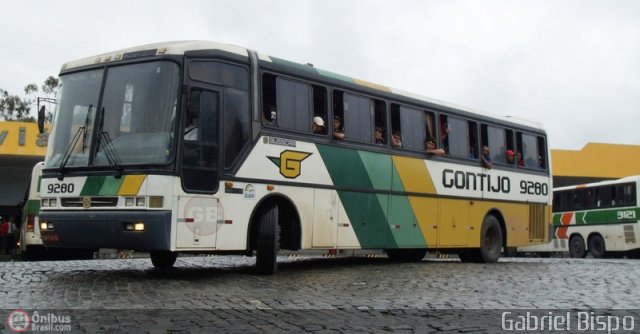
<point>598,218</point>
<point>201,147</point>
<point>31,247</point>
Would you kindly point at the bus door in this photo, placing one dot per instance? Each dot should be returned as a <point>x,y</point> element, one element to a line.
<point>198,215</point>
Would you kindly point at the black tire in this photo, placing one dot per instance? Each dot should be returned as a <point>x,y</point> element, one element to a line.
<point>490,240</point>
<point>163,259</point>
<point>577,248</point>
<point>597,247</point>
<point>406,255</point>
<point>267,241</point>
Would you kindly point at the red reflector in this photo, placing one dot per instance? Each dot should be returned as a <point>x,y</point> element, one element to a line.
<point>30,223</point>
<point>189,220</point>
<point>228,222</point>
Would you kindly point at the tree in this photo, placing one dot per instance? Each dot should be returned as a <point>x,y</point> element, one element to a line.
<point>16,108</point>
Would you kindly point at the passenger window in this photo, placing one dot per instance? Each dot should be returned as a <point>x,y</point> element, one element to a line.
<point>532,149</point>
<point>473,141</point>
<point>457,136</point>
<point>358,120</point>
<point>320,109</point>
<point>408,124</point>
<point>292,105</point>
<point>494,138</point>
<point>380,122</point>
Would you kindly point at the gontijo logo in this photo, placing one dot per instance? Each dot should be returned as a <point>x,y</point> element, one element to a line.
<point>290,163</point>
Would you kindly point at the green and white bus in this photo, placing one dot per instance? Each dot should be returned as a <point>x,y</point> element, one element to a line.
<point>201,147</point>
<point>599,218</point>
<point>31,247</point>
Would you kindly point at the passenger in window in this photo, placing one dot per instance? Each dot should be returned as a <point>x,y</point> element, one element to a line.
<point>396,139</point>
<point>270,115</point>
<point>444,134</point>
<point>338,133</point>
<point>540,162</point>
<point>318,126</point>
<point>519,159</point>
<point>511,157</point>
<point>485,157</point>
<point>379,135</point>
<point>430,146</point>
<point>191,130</point>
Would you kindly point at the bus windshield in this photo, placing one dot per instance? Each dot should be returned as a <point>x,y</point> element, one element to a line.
<point>115,116</point>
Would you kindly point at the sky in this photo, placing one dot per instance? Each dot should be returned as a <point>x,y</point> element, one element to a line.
<point>572,65</point>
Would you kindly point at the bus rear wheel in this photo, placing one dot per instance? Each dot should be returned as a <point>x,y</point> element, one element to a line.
<point>267,241</point>
<point>597,247</point>
<point>490,243</point>
<point>406,255</point>
<point>576,247</point>
<point>163,259</point>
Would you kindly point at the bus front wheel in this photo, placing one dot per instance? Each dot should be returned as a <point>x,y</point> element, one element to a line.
<point>597,247</point>
<point>576,247</point>
<point>163,259</point>
<point>267,241</point>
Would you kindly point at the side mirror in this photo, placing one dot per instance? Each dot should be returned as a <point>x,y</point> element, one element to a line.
<point>41,117</point>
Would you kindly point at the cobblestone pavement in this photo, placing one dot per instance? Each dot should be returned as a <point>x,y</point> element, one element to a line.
<point>314,294</point>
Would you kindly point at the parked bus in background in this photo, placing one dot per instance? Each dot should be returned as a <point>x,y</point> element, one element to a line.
<point>31,246</point>
<point>599,218</point>
<point>200,147</point>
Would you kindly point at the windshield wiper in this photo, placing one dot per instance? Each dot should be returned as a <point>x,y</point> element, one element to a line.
<point>81,132</point>
<point>109,151</point>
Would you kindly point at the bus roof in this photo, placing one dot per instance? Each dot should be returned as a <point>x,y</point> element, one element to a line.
<point>632,178</point>
<point>180,47</point>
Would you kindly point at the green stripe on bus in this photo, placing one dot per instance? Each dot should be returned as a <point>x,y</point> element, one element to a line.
<point>111,186</point>
<point>379,169</point>
<point>33,207</point>
<point>368,218</point>
<point>403,223</point>
<point>92,186</point>
<point>378,220</point>
<point>345,167</point>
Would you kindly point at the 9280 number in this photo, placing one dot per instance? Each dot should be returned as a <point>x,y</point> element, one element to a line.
<point>60,188</point>
<point>534,188</point>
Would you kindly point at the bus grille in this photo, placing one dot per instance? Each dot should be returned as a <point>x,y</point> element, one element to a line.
<point>629,234</point>
<point>95,202</point>
<point>536,221</point>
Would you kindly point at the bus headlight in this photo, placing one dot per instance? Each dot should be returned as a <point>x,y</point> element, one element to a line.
<point>129,201</point>
<point>140,201</point>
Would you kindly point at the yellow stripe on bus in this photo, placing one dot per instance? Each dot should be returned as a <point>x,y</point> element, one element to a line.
<point>131,185</point>
<point>414,175</point>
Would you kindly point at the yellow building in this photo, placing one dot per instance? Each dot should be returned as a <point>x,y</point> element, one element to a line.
<point>21,147</point>
<point>594,162</point>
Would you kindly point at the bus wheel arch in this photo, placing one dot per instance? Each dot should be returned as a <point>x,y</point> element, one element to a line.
<point>577,248</point>
<point>492,240</point>
<point>596,245</point>
<point>274,225</point>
